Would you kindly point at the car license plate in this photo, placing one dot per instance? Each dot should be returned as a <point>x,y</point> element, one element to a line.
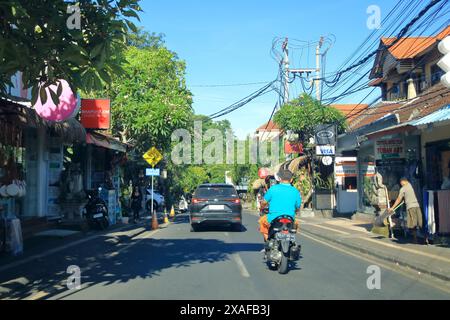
<point>99,215</point>
<point>217,207</point>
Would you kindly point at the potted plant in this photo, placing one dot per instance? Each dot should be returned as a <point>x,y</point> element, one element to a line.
<point>125,204</point>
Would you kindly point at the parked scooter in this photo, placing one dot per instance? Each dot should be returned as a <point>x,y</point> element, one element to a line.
<point>281,246</point>
<point>96,211</point>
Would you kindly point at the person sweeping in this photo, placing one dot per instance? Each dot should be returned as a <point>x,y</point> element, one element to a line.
<point>414,213</point>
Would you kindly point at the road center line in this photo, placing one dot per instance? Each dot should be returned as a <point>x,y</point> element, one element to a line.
<point>238,260</point>
<point>243,270</point>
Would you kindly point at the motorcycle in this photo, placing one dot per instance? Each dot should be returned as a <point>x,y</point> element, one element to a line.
<point>96,211</point>
<point>281,246</point>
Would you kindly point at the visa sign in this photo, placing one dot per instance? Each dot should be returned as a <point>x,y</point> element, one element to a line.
<point>325,150</point>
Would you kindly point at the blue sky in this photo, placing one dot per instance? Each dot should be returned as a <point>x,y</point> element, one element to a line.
<point>229,42</point>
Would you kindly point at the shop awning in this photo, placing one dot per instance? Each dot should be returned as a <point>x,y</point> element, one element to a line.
<point>400,128</point>
<point>105,141</point>
<point>442,115</point>
<point>18,113</point>
<point>438,116</point>
<point>71,131</point>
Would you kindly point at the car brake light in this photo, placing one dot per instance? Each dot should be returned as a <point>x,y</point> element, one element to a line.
<point>236,201</point>
<point>195,201</point>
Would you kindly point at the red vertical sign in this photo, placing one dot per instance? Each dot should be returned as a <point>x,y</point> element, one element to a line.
<point>96,113</point>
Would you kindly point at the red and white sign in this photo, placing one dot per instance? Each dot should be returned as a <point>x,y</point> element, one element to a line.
<point>386,149</point>
<point>66,109</point>
<point>96,113</point>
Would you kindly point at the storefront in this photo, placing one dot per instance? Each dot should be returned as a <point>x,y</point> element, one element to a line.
<point>105,158</point>
<point>435,130</point>
<point>391,154</point>
<point>21,136</point>
<point>346,180</point>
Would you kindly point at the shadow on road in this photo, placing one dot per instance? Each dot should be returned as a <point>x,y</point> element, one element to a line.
<point>101,263</point>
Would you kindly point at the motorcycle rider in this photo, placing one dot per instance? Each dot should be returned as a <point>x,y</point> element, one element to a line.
<point>283,199</point>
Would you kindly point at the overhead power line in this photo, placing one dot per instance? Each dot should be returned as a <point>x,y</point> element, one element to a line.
<point>227,85</point>
<point>239,104</point>
<point>400,35</point>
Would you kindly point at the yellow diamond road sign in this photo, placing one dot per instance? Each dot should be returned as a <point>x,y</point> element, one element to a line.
<point>153,156</point>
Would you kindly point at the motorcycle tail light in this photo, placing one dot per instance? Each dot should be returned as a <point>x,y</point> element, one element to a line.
<point>285,221</point>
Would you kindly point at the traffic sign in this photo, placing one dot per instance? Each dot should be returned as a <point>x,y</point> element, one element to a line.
<point>153,157</point>
<point>152,172</point>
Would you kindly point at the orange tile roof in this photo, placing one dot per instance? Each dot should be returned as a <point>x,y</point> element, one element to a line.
<point>410,47</point>
<point>269,126</point>
<point>441,35</point>
<point>350,111</point>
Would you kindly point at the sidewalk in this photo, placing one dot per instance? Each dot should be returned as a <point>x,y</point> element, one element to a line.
<point>37,247</point>
<point>353,234</point>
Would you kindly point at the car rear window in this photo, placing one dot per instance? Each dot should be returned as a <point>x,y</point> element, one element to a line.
<point>216,192</point>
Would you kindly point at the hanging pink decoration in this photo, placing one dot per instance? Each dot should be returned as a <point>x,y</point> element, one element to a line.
<point>66,109</point>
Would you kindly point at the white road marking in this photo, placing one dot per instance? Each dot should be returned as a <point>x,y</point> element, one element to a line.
<point>242,269</point>
<point>383,265</point>
<point>432,256</point>
<point>330,229</point>
<point>240,264</point>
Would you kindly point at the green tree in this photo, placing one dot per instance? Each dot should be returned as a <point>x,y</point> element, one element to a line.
<point>302,115</point>
<point>192,177</point>
<point>37,39</point>
<point>150,99</point>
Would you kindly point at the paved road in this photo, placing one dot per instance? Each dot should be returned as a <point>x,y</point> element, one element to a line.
<point>174,263</point>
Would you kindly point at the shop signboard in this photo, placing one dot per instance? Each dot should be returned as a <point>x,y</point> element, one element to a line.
<point>55,167</point>
<point>391,163</point>
<point>325,134</point>
<point>386,149</point>
<point>368,169</point>
<point>96,113</point>
<point>325,150</point>
<point>346,170</point>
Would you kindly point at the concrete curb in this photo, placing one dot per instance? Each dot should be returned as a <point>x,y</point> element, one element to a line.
<point>391,259</point>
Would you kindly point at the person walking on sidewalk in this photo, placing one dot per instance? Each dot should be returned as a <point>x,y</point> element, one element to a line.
<point>136,203</point>
<point>414,213</point>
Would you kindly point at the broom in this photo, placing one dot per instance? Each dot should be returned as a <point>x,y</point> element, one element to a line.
<point>380,221</point>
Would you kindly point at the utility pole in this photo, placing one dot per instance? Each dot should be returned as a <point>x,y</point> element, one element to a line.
<point>318,67</point>
<point>286,71</point>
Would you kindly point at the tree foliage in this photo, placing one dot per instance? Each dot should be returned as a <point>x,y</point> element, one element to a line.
<point>150,99</point>
<point>302,115</point>
<point>37,39</point>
